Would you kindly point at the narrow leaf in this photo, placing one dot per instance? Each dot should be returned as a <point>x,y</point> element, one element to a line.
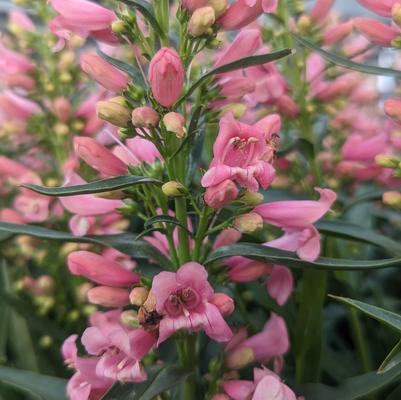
<point>165,219</point>
<point>393,359</point>
<point>345,62</point>
<point>347,230</point>
<point>100,186</point>
<point>44,386</point>
<point>374,195</point>
<point>4,312</point>
<point>276,256</point>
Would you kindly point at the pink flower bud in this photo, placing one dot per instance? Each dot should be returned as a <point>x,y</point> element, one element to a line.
<point>321,10</point>
<point>338,32</point>
<point>248,223</point>
<point>100,270</point>
<point>145,117</point>
<point>218,196</point>
<point>246,270</point>
<point>104,73</point>
<point>240,14</point>
<point>166,76</point>
<point>380,7</point>
<point>62,109</point>
<point>175,122</point>
<point>224,303</point>
<point>21,21</point>
<point>98,156</point>
<point>138,296</point>
<point>108,296</point>
<point>19,80</point>
<point>392,108</point>
<point>201,21</point>
<point>377,32</point>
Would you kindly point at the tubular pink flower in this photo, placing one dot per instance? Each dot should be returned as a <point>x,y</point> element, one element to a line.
<point>321,10</point>
<point>98,156</point>
<point>299,213</point>
<point>33,207</point>
<point>219,195</point>
<point>21,20</point>
<point>185,299</point>
<point>104,73</point>
<point>108,296</point>
<point>380,7</point>
<point>15,106</point>
<point>192,5</point>
<point>280,284</point>
<point>338,32</point>
<point>392,108</point>
<point>357,147</point>
<point>100,270</point>
<point>12,62</point>
<point>376,32</point>
<point>166,76</point>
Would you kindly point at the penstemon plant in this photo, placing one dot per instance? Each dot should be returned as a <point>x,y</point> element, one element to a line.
<point>218,162</point>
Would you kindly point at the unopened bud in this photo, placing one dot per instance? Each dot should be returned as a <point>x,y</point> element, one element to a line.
<point>392,198</point>
<point>396,13</point>
<point>173,189</point>
<point>238,109</point>
<point>45,283</point>
<point>304,23</point>
<point>66,60</point>
<point>219,6</point>
<point>129,318</point>
<point>61,129</point>
<point>114,111</point>
<point>224,303</point>
<point>240,358</point>
<point>45,341</point>
<point>175,122</point>
<point>386,161</point>
<point>252,198</point>
<point>145,117</point>
<point>65,77</point>
<point>138,296</point>
<point>118,27</point>
<point>248,223</point>
<point>62,109</point>
<point>201,21</point>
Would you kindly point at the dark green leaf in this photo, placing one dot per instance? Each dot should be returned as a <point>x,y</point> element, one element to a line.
<point>386,317</point>
<point>374,195</point>
<point>43,386</point>
<point>146,10</point>
<point>353,388</point>
<point>304,146</point>
<point>393,359</point>
<point>100,186</point>
<point>164,379</point>
<point>345,62</point>
<point>165,219</point>
<point>122,66</point>
<point>276,256</point>
<point>239,64</point>
<point>395,394</point>
<point>125,242</point>
<point>347,230</point>
<point>4,312</point>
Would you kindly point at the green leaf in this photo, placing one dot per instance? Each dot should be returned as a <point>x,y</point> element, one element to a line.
<point>345,62</point>
<point>165,219</point>
<point>122,66</point>
<point>124,242</point>
<point>347,230</point>
<point>100,186</point>
<point>164,379</point>
<point>42,386</point>
<point>4,312</point>
<point>386,317</point>
<point>374,195</point>
<point>353,388</point>
<point>277,256</point>
<point>393,359</point>
<point>146,10</point>
<point>239,64</point>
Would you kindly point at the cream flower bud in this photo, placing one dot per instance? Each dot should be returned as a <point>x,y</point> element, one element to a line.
<point>252,198</point>
<point>219,6</point>
<point>240,358</point>
<point>138,296</point>
<point>248,223</point>
<point>114,111</point>
<point>201,21</point>
<point>173,189</point>
<point>392,198</point>
<point>175,122</point>
<point>145,117</point>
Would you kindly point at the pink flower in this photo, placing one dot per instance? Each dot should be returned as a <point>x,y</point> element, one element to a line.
<point>185,299</point>
<point>12,62</point>
<point>381,7</point>
<point>108,296</point>
<point>104,73</point>
<point>217,196</point>
<point>279,284</point>
<point>15,106</point>
<point>392,108</point>
<point>357,147</point>
<point>321,10</point>
<point>33,207</point>
<point>21,20</point>
<point>166,76</point>
<point>266,385</point>
<point>241,154</point>
<point>338,32</point>
<point>98,156</point>
<point>192,5</point>
<point>243,12</point>
<point>377,32</point>
<point>100,270</point>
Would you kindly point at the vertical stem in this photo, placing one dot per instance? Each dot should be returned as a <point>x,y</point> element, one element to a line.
<point>181,215</point>
<point>309,337</point>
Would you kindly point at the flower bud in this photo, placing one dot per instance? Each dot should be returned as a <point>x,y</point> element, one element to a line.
<point>304,23</point>
<point>66,60</point>
<point>238,110</point>
<point>118,27</point>
<point>396,14</point>
<point>392,198</point>
<point>392,108</point>
<point>224,303</point>
<point>138,296</point>
<point>114,111</point>
<point>252,198</point>
<point>166,76</point>
<point>248,223</point>
<point>240,358</point>
<point>104,73</point>
<point>62,109</point>
<point>108,296</point>
<point>145,117</point>
<point>219,6</point>
<point>201,21</point>
<point>61,129</point>
<point>130,318</point>
<point>219,195</point>
<point>175,122</point>
<point>173,189</point>
<point>386,161</point>
<point>45,284</point>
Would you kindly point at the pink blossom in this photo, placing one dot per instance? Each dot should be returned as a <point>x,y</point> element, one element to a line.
<point>184,299</point>
<point>108,296</point>
<point>381,7</point>
<point>21,20</point>
<point>33,207</point>
<point>321,10</point>
<point>338,32</point>
<point>217,196</point>
<point>12,62</point>
<point>166,76</point>
<point>377,32</point>
<point>16,106</point>
<point>357,147</point>
<point>280,284</point>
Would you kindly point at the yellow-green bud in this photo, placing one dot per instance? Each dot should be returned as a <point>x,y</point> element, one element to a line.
<point>248,223</point>
<point>202,21</point>
<point>118,27</point>
<point>252,198</point>
<point>61,129</point>
<point>240,358</point>
<point>386,161</point>
<point>396,13</point>
<point>392,198</point>
<point>129,318</point>
<point>219,6</point>
<point>138,296</point>
<point>173,189</point>
<point>114,111</point>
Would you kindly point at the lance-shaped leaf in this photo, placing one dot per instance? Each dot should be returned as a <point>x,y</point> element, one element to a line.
<point>392,360</point>
<point>165,219</point>
<point>239,64</point>
<point>124,242</point>
<point>345,62</point>
<point>100,186</point>
<point>277,256</point>
<point>347,230</point>
<point>374,195</point>
<point>43,387</point>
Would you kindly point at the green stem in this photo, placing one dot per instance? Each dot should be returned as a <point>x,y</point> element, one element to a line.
<point>200,234</point>
<point>309,330</point>
<point>181,215</point>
